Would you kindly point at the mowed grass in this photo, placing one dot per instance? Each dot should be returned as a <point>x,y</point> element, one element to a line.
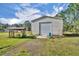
<point>68,46</point>
<point>63,46</point>
<point>6,43</point>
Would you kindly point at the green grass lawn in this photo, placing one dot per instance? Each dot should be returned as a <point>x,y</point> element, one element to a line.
<point>66,46</point>
<point>6,43</point>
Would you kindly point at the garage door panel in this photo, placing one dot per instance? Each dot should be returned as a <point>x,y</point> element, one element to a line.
<point>45,28</point>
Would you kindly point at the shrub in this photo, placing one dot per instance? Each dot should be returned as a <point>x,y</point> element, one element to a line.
<point>18,35</point>
<point>24,36</point>
<point>32,37</point>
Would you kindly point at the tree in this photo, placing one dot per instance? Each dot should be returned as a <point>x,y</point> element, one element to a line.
<point>70,17</point>
<point>27,24</point>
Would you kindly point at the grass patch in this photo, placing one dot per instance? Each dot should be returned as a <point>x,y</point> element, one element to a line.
<point>6,43</point>
<point>63,46</point>
<point>23,53</point>
<point>68,46</point>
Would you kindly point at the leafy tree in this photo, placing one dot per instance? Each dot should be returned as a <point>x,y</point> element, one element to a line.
<point>27,24</point>
<point>70,17</point>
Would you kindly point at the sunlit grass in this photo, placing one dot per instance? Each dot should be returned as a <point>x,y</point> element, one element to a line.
<point>6,42</point>
<point>63,46</point>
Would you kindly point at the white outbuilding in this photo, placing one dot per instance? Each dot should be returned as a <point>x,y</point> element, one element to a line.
<point>46,24</point>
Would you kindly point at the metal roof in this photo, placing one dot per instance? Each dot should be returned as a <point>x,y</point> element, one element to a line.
<point>56,17</point>
<point>16,28</point>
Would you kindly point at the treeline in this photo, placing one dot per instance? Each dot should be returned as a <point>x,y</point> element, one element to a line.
<point>26,24</point>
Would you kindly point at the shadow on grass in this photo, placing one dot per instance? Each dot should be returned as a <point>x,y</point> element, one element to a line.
<point>29,37</point>
<point>4,47</point>
<point>71,35</point>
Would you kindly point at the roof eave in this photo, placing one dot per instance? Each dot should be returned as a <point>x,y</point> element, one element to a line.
<point>47,16</point>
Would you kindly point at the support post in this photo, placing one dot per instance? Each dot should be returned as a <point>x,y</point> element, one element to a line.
<point>9,33</point>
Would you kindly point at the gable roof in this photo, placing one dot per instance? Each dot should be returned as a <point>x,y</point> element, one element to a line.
<point>56,17</point>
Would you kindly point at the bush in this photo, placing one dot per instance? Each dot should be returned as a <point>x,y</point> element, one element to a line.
<point>32,37</point>
<point>24,36</point>
<point>71,35</point>
<point>18,35</point>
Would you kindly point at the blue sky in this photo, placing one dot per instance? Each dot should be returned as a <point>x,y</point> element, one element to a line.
<point>12,13</point>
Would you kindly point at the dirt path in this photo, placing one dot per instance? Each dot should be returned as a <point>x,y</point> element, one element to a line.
<point>15,49</point>
<point>33,47</point>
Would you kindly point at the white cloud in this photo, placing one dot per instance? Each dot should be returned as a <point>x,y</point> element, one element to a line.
<point>4,20</point>
<point>33,13</point>
<point>9,20</point>
<point>14,21</point>
<point>52,14</point>
<point>46,13</point>
<point>56,11</point>
<point>56,8</point>
<point>60,8</point>
<point>34,16</point>
<point>28,14</point>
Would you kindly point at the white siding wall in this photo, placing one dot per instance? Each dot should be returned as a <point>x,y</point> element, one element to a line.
<point>35,28</point>
<point>57,26</point>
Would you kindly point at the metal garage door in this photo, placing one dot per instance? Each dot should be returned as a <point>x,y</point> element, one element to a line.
<point>45,28</point>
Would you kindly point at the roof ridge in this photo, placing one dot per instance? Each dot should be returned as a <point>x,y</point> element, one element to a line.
<point>45,16</point>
